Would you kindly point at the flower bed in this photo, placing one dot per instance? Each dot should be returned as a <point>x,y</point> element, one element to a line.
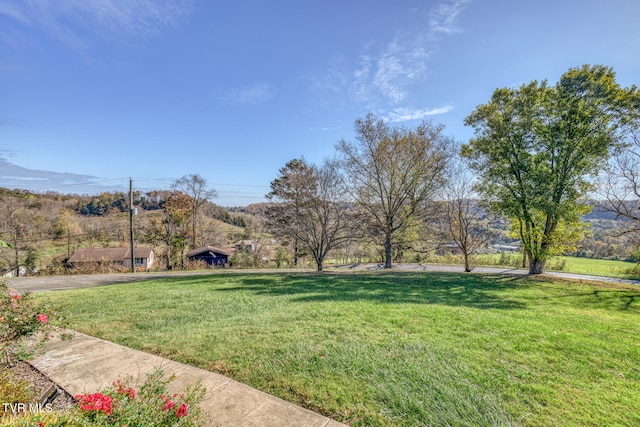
<point>121,405</point>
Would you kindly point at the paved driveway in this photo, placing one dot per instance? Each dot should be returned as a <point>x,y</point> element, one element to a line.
<point>56,283</point>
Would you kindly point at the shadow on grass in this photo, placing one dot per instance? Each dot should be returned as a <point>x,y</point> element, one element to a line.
<point>454,289</point>
<point>483,291</point>
<point>608,299</point>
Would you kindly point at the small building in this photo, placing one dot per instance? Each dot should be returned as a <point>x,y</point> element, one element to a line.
<point>210,254</point>
<point>507,247</point>
<point>448,249</point>
<point>143,257</point>
<point>246,245</point>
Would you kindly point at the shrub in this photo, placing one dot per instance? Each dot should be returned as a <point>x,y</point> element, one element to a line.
<point>242,259</point>
<point>558,264</point>
<point>20,317</point>
<point>198,265</point>
<point>635,270</point>
<point>150,406</point>
<point>13,390</point>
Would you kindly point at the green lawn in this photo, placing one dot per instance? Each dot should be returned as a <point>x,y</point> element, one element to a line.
<point>567,264</point>
<point>393,348</point>
<point>596,267</point>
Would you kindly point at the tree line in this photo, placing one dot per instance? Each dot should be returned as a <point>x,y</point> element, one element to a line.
<point>538,152</point>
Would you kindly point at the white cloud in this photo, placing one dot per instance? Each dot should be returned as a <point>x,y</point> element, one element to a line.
<point>401,65</point>
<point>133,17</point>
<point>406,114</point>
<point>389,73</point>
<point>119,20</point>
<point>248,95</point>
<point>442,19</point>
<point>14,176</point>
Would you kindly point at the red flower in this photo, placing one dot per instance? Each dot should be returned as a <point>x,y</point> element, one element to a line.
<point>182,411</point>
<point>94,402</point>
<point>168,405</point>
<point>42,318</point>
<point>124,391</point>
<point>132,393</point>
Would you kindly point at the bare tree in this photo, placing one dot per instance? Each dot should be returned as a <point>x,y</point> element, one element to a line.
<point>622,184</point>
<point>463,217</point>
<point>195,187</point>
<point>392,172</point>
<point>309,207</point>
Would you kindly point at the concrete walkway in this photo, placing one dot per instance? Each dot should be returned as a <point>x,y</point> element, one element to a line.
<point>88,364</point>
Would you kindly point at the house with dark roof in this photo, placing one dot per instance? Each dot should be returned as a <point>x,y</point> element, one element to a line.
<point>143,257</point>
<point>210,254</point>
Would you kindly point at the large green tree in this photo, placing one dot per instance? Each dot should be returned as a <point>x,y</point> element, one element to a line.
<point>537,150</point>
<point>392,173</point>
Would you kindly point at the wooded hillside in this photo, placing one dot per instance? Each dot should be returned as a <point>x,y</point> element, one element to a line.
<point>46,229</point>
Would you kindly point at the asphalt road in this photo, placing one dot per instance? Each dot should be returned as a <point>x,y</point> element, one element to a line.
<point>56,283</point>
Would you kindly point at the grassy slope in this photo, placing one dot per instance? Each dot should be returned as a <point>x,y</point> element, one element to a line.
<point>393,349</point>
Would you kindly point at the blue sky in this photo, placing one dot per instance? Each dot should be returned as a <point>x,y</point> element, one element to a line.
<point>93,92</point>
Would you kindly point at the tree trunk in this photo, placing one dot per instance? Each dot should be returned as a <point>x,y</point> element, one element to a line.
<point>536,266</point>
<point>467,263</point>
<point>193,229</point>
<point>388,251</point>
<point>319,266</point>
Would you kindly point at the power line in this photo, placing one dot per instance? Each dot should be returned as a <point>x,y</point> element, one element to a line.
<point>168,181</point>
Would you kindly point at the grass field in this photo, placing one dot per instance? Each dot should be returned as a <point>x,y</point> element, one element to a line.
<point>597,267</point>
<point>568,264</point>
<point>396,348</point>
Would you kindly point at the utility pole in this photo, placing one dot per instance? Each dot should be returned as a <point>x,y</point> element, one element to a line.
<point>15,246</point>
<point>133,257</point>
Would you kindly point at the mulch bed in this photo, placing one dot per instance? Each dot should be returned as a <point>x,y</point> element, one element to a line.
<point>46,390</point>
